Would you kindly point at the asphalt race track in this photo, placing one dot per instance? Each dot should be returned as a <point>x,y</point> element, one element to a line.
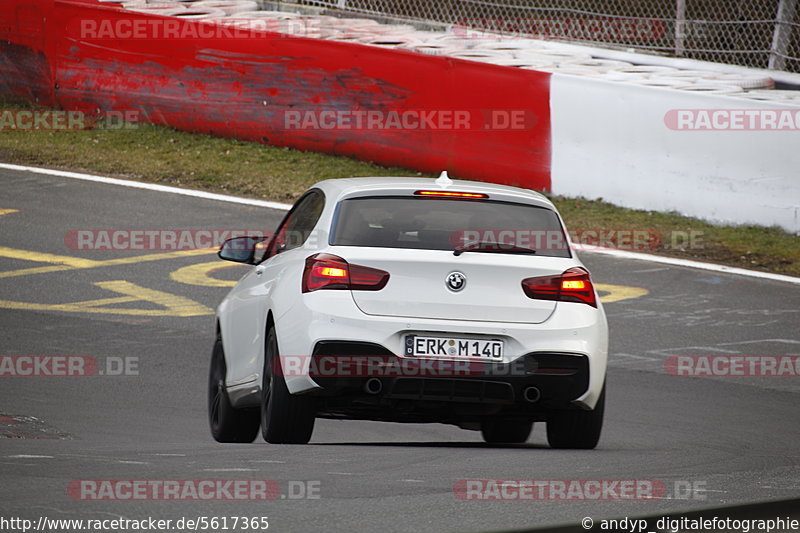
<point>728,439</point>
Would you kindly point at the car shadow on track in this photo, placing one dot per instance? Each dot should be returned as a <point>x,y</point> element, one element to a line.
<point>466,445</point>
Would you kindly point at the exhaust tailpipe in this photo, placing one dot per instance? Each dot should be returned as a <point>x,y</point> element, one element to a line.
<point>373,386</point>
<point>531,394</point>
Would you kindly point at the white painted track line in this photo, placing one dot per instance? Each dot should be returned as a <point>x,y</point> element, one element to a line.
<point>673,261</point>
<point>148,186</point>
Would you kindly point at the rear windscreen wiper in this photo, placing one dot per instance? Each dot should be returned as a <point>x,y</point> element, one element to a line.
<point>493,247</point>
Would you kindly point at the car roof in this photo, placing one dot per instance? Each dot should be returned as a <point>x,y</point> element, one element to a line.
<point>338,189</point>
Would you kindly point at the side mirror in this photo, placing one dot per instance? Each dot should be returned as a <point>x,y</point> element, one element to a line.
<point>240,249</point>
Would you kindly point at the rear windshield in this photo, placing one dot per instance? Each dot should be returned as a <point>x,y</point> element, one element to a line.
<point>448,224</point>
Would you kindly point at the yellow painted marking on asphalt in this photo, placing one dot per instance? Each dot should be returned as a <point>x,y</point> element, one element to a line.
<point>34,270</point>
<point>63,262</point>
<point>157,257</point>
<point>8,211</point>
<point>617,293</point>
<point>41,257</point>
<point>175,305</point>
<point>108,301</point>
<point>200,274</point>
<point>172,304</point>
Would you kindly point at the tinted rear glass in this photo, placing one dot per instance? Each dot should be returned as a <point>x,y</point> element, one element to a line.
<point>444,224</point>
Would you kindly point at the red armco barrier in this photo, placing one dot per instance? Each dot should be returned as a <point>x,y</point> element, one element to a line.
<point>244,87</point>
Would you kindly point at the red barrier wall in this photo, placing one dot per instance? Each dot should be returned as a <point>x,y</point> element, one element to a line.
<point>242,87</point>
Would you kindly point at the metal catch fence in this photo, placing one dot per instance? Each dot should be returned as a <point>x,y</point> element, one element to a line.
<point>752,33</point>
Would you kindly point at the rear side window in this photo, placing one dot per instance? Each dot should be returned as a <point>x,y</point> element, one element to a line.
<point>297,227</point>
<point>445,224</point>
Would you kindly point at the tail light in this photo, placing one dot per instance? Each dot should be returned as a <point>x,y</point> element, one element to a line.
<point>574,285</point>
<point>327,271</point>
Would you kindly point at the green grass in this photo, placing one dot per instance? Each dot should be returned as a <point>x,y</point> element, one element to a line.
<point>162,155</point>
<point>755,247</point>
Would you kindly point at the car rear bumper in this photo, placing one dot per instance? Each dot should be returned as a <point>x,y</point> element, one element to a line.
<point>532,386</point>
<point>575,332</point>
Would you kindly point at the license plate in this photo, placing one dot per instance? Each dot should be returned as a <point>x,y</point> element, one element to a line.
<point>418,345</point>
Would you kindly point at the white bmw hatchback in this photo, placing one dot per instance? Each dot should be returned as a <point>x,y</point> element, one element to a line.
<point>411,300</point>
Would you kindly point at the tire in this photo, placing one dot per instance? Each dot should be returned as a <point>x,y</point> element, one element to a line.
<point>755,81</point>
<point>230,7</point>
<point>579,430</point>
<point>285,418</point>
<point>711,88</point>
<point>506,431</point>
<point>227,423</point>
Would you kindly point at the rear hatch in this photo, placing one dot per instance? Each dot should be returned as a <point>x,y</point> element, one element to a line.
<point>418,284</point>
<point>414,240</point>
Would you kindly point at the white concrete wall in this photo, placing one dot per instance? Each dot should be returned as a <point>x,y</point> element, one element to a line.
<point>611,140</point>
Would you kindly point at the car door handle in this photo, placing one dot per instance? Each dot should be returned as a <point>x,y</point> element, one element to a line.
<point>259,270</point>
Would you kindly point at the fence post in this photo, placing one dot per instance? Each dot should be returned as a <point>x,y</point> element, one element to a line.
<point>782,35</point>
<point>680,27</point>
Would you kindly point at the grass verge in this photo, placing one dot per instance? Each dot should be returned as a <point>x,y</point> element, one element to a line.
<point>162,155</point>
